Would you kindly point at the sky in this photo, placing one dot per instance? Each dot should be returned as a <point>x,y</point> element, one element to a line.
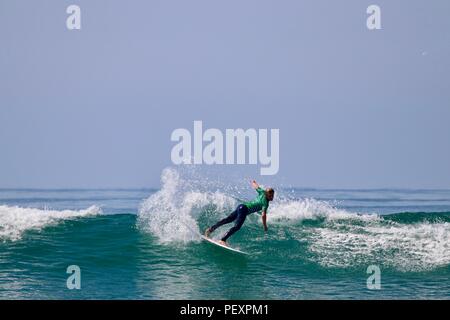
<point>95,108</point>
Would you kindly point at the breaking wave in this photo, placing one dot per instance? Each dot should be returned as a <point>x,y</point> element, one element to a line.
<point>14,221</point>
<point>331,237</point>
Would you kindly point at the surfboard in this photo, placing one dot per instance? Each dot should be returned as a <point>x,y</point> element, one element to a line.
<point>217,243</point>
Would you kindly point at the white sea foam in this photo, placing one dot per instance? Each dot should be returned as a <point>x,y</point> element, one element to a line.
<point>346,239</point>
<point>405,247</point>
<point>14,221</point>
<point>293,211</point>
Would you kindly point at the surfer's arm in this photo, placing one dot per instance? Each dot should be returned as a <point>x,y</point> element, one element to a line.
<point>264,220</point>
<point>257,187</point>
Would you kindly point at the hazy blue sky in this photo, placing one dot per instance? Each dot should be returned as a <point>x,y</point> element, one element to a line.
<point>96,107</point>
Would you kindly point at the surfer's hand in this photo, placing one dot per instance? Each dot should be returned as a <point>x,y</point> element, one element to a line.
<point>254,184</point>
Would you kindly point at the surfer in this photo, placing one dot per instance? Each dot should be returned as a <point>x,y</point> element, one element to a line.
<point>260,203</point>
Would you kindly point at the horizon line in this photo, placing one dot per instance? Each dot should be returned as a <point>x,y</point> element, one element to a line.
<point>283,188</point>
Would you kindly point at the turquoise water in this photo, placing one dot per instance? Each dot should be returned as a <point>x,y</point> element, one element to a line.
<point>134,244</point>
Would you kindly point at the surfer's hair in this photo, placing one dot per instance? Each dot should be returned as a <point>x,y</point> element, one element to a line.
<point>270,192</point>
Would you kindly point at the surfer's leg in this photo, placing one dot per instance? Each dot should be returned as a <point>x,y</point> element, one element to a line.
<point>241,215</point>
<point>228,219</point>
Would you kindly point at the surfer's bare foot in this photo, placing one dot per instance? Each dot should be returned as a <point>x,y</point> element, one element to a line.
<point>207,232</point>
<point>223,243</point>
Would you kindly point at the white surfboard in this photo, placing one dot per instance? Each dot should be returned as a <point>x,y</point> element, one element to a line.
<point>217,243</point>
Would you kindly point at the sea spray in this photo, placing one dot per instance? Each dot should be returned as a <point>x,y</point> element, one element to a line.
<point>171,213</point>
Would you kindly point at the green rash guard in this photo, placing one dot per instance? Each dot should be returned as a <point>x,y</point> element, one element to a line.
<point>260,203</point>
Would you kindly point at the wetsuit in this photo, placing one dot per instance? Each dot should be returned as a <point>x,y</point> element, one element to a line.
<point>241,212</point>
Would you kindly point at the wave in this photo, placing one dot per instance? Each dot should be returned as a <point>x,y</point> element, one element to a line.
<point>14,221</point>
<point>417,217</point>
<point>337,238</point>
<point>331,237</point>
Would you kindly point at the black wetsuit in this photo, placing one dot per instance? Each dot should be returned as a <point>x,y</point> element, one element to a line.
<point>239,215</point>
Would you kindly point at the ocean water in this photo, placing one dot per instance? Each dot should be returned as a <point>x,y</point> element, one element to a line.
<point>139,244</point>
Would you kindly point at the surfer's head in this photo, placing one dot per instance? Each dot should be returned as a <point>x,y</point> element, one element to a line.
<point>269,194</point>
